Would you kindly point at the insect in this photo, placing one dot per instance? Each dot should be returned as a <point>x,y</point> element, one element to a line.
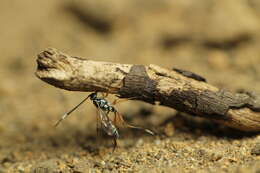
<point>107,125</point>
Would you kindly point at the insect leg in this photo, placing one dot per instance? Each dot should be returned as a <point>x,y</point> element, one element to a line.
<point>68,113</point>
<point>104,95</point>
<point>116,101</point>
<point>115,144</point>
<point>119,100</point>
<point>119,119</point>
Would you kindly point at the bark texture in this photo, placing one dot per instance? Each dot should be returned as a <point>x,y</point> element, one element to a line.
<point>179,89</point>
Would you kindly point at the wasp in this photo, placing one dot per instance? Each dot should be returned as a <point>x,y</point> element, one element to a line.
<point>107,125</point>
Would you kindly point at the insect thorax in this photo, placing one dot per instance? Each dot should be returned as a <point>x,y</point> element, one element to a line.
<point>103,104</point>
<point>99,103</point>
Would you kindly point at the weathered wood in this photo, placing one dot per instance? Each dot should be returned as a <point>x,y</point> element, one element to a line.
<point>179,89</point>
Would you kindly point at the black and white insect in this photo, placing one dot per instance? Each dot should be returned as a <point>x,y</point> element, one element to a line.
<point>107,125</point>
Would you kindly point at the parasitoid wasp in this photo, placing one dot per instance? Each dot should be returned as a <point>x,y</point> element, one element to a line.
<point>103,109</point>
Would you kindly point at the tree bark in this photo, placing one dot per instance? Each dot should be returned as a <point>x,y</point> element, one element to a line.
<point>182,90</point>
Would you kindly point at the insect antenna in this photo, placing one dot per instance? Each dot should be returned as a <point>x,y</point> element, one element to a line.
<point>68,113</point>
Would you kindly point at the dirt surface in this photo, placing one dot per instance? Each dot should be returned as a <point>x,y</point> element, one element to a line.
<point>217,39</point>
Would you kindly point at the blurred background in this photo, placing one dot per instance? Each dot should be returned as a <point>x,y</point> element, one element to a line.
<point>217,39</point>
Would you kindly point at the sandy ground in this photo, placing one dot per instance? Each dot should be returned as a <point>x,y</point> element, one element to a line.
<point>219,41</point>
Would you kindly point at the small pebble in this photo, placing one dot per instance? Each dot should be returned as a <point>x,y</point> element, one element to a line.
<point>140,142</point>
<point>103,163</point>
<point>157,142</point>
<point>169,129</point>
<point>256,149</point>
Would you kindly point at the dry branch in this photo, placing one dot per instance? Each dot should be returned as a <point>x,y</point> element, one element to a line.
<point>181,90</point>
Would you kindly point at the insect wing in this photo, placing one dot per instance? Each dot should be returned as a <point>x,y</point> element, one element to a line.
<point>98,125</point>
<point>108,126</point>
<point>106,123</point>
